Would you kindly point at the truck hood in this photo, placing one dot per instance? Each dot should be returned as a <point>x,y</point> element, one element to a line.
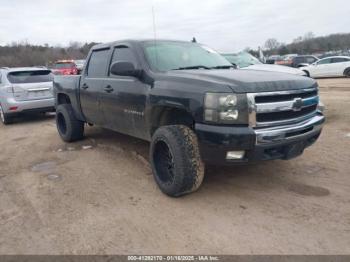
<point>275,68</point>
<point>244,81</point>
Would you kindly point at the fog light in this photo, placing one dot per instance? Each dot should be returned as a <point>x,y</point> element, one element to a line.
<point>231,155</point>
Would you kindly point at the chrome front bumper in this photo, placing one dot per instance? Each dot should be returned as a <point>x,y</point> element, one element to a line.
<point>289,132</point>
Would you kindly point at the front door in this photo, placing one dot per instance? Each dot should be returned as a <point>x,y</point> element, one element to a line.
<point>124,98</point>
<point>322,68</point>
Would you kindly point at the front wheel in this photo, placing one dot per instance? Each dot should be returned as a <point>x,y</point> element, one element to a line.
<point>68,126</point>
<point>175,159</point>
<point>5,118</point>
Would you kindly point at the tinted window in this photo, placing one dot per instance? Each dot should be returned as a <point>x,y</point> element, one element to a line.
<point>98,63</point>
<point>123,54</point>
<point>23,77</point>
<point>310,60</point>
<point>298,60</point>
<point>339,60</point>
<point>324,61</point>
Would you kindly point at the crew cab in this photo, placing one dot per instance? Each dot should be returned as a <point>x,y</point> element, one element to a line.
<point>191,104</point>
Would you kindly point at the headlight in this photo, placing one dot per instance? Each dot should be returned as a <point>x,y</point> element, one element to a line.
<point>226,108</point>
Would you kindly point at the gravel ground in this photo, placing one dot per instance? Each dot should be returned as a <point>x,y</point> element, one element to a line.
<point>98,196</point>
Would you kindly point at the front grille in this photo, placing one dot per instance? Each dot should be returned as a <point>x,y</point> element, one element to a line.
<point>284,97</point>
<point>284,115</point>
<point>281,108</point>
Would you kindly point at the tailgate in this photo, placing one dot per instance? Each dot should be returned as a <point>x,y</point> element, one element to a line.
<point>32,91</point>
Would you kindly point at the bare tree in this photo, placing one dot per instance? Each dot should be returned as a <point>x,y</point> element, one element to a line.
<point>272,44</point>
<point>309,35</point>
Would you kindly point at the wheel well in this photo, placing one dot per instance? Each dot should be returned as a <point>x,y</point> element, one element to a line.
<point>164,116</point>
<point>63,99</point>
<point>347,71</point>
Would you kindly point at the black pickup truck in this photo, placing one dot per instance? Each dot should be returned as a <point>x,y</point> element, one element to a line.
<point>192,106</point>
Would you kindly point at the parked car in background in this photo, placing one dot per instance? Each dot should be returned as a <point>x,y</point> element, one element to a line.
<point>334,66</point>
<point>27,89</point>
<point>244,60</point>
<point>303,60</point>
<point>80,65</point>
<point>65,67</point>
<point>273,58</point>
<point>286,60</point>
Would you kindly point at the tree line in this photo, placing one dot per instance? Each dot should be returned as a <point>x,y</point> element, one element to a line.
<point>308,44</point>
<point>26,54</point>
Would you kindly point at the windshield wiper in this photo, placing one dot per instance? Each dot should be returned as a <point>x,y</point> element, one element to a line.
<point>223,67</point>
<point>192,67</point>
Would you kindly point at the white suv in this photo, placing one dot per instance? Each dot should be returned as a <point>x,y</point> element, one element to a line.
<point>26,89</point>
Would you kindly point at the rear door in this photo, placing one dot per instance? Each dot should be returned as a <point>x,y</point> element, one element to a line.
<point>91,85</point>
<point>30,85</point>
<point>338,65</point>
<point>124,97</point>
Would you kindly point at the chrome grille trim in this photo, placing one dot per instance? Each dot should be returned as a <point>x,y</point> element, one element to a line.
<point>281,106</point>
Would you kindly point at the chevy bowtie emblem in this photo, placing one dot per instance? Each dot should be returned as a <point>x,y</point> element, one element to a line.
<point>297,104</point>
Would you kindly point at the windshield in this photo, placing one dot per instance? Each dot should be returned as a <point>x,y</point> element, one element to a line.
<point>25,77</point>
<point>63,65</point>
<point>171,55</point>
<point>242,59</point>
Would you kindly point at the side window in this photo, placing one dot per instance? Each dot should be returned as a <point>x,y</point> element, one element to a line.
<point>310,60</point>
<point>339,60</point>
<point>98,63</point>
<point>123,54</point>
<point>324,61</point>
<point>298,60</point>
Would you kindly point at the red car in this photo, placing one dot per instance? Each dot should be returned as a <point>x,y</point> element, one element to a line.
<point>65,67</point>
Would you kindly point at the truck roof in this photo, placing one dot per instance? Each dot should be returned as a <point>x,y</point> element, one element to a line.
<point>105,45</point>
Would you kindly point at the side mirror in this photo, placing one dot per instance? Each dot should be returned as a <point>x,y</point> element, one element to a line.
<point>124,69</point>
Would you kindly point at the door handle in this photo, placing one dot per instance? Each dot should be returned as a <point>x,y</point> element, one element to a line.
<point>85,86</point>
<point>108,89</point>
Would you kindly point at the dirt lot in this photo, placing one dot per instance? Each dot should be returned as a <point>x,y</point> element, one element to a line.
<point>98,196</point>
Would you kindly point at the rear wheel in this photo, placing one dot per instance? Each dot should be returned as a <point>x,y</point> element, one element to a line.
<point>68,126</point>
<point>5,118</point>
<point>347,72</point>
<point>175,159</point>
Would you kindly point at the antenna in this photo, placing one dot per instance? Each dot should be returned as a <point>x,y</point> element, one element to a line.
<point>155,33</point>
<point>154,23</point>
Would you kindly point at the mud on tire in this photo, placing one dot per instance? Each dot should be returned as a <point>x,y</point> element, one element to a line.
<point>68,126</point>
<point>175,160</point>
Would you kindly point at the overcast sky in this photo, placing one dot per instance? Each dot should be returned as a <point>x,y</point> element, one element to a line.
<point>226,25</point>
